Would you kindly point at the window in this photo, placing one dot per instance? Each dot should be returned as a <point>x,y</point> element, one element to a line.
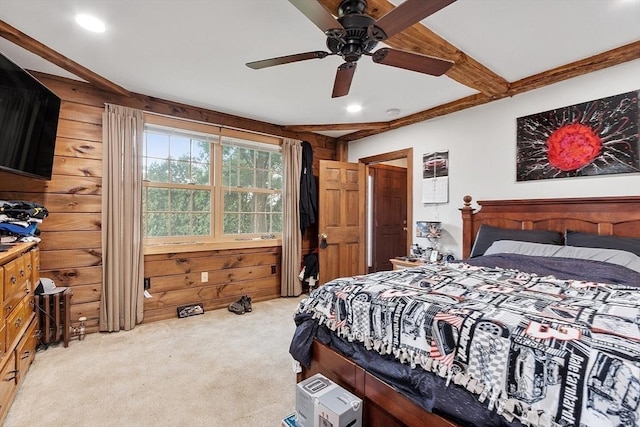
<point>252,187</point>
<point>203,183</point>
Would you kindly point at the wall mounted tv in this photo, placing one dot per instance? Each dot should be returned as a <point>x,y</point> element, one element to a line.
<point>28,122</point>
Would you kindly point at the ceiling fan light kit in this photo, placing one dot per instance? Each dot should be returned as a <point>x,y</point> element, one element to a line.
<point>354,34</point>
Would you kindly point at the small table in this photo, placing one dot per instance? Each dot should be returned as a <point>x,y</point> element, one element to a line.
<point>400,263</point>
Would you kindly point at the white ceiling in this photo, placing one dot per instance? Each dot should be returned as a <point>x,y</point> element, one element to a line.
<point>194,51</point>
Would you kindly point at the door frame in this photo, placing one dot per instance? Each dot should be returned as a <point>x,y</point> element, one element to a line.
<point>407,154</point>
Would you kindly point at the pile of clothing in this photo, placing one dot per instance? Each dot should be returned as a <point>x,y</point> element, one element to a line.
<point>19,221</point>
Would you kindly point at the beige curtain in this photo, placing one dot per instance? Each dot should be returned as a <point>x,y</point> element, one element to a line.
<point>121,306</point>
<point>291,285</point>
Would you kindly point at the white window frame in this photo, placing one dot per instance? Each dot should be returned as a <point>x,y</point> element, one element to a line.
<point>215,134</point>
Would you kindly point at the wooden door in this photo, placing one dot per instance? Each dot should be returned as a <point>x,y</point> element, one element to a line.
<point>341,220</point>
<point>389,216</point>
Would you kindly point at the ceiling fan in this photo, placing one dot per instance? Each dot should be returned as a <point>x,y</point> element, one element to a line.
<point>354,34</point>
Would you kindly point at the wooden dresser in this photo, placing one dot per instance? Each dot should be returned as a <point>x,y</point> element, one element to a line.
<point>19,275</point>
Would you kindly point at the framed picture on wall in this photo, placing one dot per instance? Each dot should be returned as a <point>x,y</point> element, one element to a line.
<point>435,177</point>
<point>599,137</point>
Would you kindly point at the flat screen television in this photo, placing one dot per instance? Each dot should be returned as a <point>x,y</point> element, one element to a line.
<point>28,122</point>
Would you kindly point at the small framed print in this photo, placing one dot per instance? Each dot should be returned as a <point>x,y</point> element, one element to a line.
<point>434,255</point>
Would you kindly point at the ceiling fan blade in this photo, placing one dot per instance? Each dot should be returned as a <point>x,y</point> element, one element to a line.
<point>256,65</point>
<point>408,13</point>
<point>344,76</point>
<point>411,61</point>
<point>317,14</point>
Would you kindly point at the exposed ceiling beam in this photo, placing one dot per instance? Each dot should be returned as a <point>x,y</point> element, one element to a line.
<point>593,63</point>
<point>338,126</point>
<point>420,39</point>
<point>32,45</point>
<point>619,55</point>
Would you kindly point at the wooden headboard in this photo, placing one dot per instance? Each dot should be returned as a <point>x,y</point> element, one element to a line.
<point>618,216</point>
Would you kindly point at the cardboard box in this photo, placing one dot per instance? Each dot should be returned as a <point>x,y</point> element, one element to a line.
<point>322,403</point>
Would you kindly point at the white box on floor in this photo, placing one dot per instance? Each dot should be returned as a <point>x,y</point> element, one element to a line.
<point>322,403</point>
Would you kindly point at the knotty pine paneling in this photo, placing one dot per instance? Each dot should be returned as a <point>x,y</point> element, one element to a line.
<point>79,148</point>
<point>71,247</point>
<point>68,128</point>
<point>76,166</point>
<point>70,258</point>
<point>176,279</point>
<point>214,262</point>
<point>227,275</point>
<point>82,112</point>
<point>71,203</point>
<point>87,293</point>
<point>63,221</point>
<point>58,185</point>
<point>52,240</point>
<point>77,276</point>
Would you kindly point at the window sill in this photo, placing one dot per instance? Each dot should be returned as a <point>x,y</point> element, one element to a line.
<point>175,248</point>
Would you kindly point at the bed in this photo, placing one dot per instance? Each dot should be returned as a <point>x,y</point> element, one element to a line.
<point>554,342</point>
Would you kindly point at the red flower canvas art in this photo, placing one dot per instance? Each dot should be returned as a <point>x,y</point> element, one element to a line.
<point>598,137</point>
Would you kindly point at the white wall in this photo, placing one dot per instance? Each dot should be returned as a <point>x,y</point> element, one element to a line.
<point>482,150</point>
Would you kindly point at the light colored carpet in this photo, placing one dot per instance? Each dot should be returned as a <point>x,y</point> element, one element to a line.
<point>216,369</point>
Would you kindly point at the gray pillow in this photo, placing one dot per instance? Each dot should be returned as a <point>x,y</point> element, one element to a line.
<point>488,234</point>
<point>611,256</point>
<point>589,240</point>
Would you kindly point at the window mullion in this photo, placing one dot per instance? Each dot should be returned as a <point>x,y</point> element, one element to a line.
<point>217,214</point>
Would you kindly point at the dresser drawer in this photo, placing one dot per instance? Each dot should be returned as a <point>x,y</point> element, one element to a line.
<point>26,350</point>
<point>16,281</point>
<point>8,383</point>
<point>18,321</point>
<point>35,269</point>
<point>3,339</point>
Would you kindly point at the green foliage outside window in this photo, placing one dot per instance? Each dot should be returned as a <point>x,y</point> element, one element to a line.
<point>252,187</point>
<point>179,192</point>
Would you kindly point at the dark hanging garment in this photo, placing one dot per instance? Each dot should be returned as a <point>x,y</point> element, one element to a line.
<point>308,191</point>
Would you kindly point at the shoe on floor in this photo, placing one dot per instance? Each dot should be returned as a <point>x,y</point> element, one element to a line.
<point>237,307</point>
<point>246,302</point>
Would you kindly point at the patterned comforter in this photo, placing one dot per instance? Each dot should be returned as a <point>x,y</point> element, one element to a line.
<point>537,349</point>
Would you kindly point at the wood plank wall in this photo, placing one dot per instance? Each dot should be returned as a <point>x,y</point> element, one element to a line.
<point>71,247</point>
<point>175,279</point>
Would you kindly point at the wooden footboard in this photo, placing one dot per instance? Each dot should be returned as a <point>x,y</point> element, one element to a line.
<point>383,405</point>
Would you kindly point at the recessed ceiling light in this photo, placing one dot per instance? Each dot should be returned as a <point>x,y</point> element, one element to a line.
<point>393,112</point>
<point>90,23</point>
<point>354,108</point>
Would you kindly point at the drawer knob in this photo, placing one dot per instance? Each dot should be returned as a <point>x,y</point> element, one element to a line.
<point>18,322</point>
<point>22,273</point>
<point>14,280</point>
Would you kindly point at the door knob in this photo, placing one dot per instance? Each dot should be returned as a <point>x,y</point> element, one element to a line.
<point>323,241</point>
